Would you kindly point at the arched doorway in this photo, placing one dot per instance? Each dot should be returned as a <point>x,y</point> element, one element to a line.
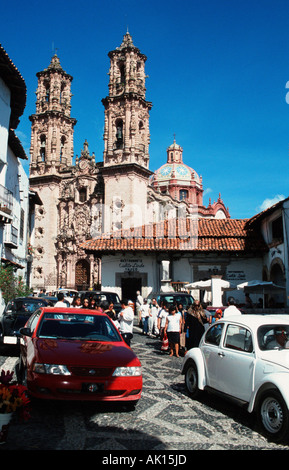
<point>277,276</point>
<point>82,275</point>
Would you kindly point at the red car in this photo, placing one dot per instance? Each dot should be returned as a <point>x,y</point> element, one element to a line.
<point>77,354</point>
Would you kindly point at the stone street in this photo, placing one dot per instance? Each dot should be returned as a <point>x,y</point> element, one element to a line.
<point>165,419</point>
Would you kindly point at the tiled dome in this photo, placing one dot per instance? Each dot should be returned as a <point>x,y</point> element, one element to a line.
<point>178,171</point>
<point>175,168</point>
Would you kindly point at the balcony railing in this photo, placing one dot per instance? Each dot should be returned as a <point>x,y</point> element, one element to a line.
<point>6,200</point>
<point>11,236</point>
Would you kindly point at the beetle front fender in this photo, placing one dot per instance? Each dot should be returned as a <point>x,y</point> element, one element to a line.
<point>278,381</point>
<point>195,356</point>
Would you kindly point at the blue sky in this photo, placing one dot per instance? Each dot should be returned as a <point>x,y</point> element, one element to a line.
<point>218,73</point>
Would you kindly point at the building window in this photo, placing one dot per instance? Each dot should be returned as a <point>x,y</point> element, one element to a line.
<point>21,231</point>
<point>277,230</point>
<point>183,194</point>
<point>82,195</point>
<point>122,73</point>
<point>47,94</point>
<point>119,134</point>
<point>62,144</point>
<point>42,147</point>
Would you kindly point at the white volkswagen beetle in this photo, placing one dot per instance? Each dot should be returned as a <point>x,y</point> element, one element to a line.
<point>246,357</point>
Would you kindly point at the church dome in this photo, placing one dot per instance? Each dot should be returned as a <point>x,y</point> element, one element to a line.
<point>175,169</point>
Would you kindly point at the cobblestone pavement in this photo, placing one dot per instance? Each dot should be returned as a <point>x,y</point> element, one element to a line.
<point>165,419</point>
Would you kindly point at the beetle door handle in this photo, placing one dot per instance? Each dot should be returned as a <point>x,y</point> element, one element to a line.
<point>221,354</point>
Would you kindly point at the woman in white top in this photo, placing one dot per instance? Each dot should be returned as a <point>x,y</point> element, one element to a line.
<point>162,317</point>
<point>173,329</point>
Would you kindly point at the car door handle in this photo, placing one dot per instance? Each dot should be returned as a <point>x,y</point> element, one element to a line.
<point>221,354</point>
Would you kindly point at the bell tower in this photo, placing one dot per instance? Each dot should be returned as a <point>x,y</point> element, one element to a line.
<point>51,153</point>
<point>52,126</point>
<point>126,138</point>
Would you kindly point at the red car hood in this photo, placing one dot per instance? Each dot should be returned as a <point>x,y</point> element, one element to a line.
<point>51,351</point>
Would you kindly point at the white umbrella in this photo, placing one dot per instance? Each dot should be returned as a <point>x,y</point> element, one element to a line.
<point>207,285</point>
<point>260,287</point>
<point>215,285</point>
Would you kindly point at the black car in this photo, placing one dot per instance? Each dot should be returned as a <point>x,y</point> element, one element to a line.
<point>173,298</point>
<point>102,296</point>
<point>16,315</point>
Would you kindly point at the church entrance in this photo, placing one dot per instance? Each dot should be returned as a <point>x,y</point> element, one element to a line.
<point>129,287</point>
<point>82,275</point>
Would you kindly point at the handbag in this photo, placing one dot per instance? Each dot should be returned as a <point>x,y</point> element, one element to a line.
<point>165,343</point>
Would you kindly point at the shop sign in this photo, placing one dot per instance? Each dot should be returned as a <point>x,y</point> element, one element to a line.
<point>236,276</point>
<point>131,264</point>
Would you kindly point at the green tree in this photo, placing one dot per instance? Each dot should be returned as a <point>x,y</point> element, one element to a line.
<point>12,286</point>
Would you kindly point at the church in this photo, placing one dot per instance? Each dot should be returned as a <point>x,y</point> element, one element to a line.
<point>114,223</point>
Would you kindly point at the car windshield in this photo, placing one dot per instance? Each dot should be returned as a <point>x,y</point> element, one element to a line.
<point>170,299</point>
<point>78,326</point>
<point>24,306</point>
<point>109,297</point>
<point>273,337</point>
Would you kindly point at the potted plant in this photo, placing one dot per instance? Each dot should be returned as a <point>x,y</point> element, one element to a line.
<point>13,399</point>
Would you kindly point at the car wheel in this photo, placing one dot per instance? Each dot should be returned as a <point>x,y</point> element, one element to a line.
<point>273,415</point>
<point>191,380</point>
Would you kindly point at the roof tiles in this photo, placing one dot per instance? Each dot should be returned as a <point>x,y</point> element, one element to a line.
<point>203,235</point>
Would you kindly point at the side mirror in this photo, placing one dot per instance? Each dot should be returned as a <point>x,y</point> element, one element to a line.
<point>25,331</point>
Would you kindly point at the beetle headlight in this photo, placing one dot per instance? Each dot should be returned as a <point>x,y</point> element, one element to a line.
<point>127,371</point>
<point>53,369</point>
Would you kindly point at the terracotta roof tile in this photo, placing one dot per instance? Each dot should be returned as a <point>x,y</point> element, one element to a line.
<point>203,235</point>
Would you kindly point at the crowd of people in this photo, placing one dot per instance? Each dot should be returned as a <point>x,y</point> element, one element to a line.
<point>123,320</point>
<point>178,327</point>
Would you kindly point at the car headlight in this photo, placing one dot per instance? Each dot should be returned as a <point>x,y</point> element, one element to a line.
<point>127,371</point>
<point>54,369</point>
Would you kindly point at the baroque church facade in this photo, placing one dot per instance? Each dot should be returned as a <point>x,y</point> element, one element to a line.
<point>83,198</point>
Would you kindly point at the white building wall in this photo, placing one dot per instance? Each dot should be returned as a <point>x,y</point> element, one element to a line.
<point>16,181</point>
<point>134,264</point>
<point>5,112</point>
<point>286,246</point>
<point>240,271</point>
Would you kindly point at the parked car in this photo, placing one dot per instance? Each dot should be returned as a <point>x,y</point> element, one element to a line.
<point>246,358</point>
<point>102,296</point>
<point>69,294</point>
<point>173,298</point>
<point>77,354</point>
<point>15,316</point>
<point>66,292</point>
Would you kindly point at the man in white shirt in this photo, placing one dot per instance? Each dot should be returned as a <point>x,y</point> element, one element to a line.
<point>153,318</point>
<point>125,319</point>
<point>60,304</point>
<point>145,313</point>
<point>232,309</point>
<point>60,301</point>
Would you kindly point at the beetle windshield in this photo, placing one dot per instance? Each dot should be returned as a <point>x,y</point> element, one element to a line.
<point>78,326</point>
<point>273,337</point>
